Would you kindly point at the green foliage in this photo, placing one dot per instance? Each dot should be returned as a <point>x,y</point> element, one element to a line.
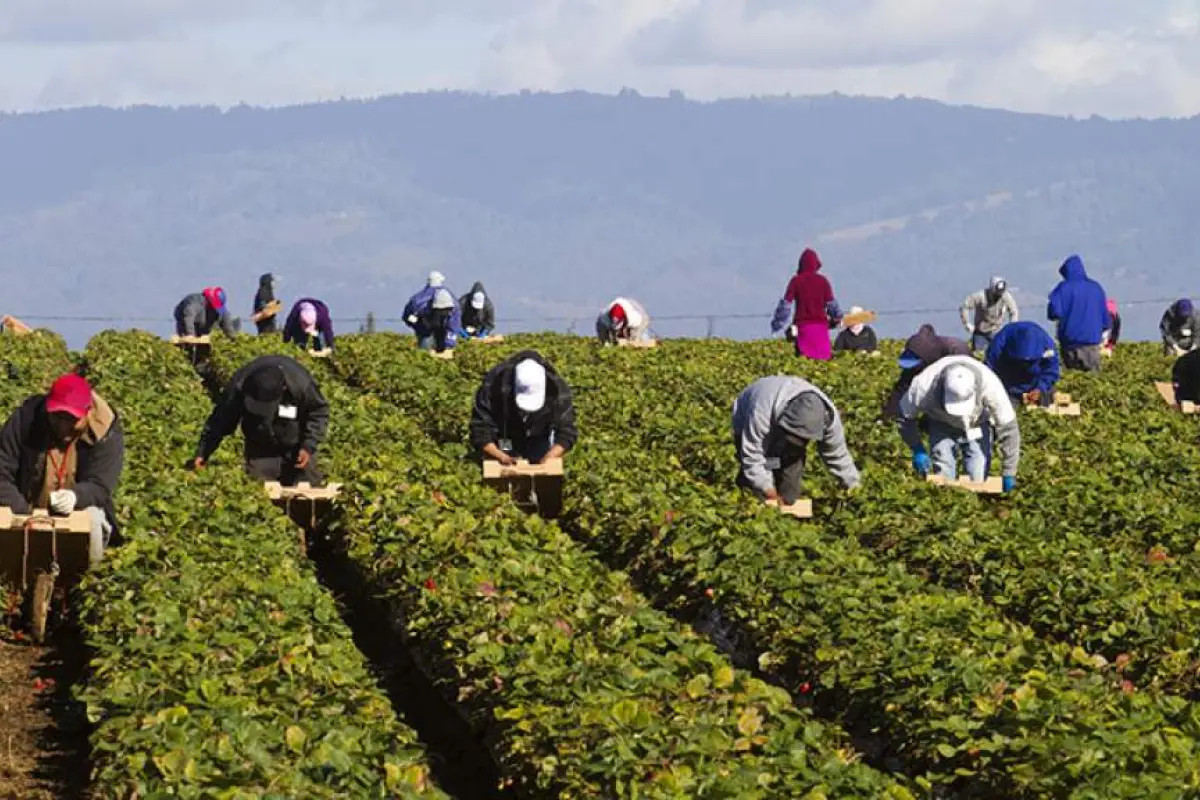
<point>220,667</point>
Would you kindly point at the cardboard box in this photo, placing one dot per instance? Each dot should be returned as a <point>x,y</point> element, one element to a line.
<point>532,486</point>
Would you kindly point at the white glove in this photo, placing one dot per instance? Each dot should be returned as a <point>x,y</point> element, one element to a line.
<point>412,319</point>
<point>62,501</point>
<point>470,329</point>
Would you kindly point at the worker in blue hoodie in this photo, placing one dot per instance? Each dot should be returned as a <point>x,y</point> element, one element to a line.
<point>1024,357</point>
<point>1079,305</point>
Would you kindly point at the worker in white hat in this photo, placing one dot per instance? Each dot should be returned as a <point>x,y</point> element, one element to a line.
<point>433,315</point>
<point>478,313</point>
<point>622,319</point>
<point>523,409</point>
<point>966,406</point>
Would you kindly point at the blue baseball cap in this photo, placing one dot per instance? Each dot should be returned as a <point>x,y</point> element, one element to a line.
<point>909,360</point>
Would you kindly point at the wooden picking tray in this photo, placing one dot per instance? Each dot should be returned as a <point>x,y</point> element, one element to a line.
<point>271,309</point>
<point>326,353</point>
<point>302,491</point>
<point>445,355</point>
<point>801,509</point>
<point>75,522</point>
<point>191,340</point>
<point>993,485</point>
<point>523,480</point>
<point>72,533</point>
<point>1167,391</point>
<point>14,325</point>
<point>641,344</point>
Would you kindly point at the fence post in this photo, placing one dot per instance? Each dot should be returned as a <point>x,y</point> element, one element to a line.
<point>712,326</point>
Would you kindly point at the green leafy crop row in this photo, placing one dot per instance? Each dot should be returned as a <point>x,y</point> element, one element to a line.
<point>220,667</point>
<point>578,686</point>
<point>980,703</point>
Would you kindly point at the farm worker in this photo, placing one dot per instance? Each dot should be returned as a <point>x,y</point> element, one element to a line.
<point>64,451</point>
<point>523,409</point>
<point>622,319</point>
<point>858,338</point>
<point>198,313</point>
<point>1185,376</point>
<point>263,298</point>
<point>962,401</point>
<point>774,419</point>
<point>1113,334</point>
<point>283,416</point>
<point>920,350</point>
<point>309,325</point>
<point>1023,356</point>
<point>1180,328</point>
<point>989,307</point>
<point>477,312</point>
<point>816,309</point>
<point>1080,306</point>
<point>433,315</point>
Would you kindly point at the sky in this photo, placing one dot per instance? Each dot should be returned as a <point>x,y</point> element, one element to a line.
<point>1109,57</point>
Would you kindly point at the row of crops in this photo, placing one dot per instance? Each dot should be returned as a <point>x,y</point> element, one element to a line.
<point>667,637</point>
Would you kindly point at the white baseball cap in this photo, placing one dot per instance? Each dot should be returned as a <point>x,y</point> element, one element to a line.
<point>436,279</point>
<point>529,383</point>
<point>478,301</point>
<point>958,391</point>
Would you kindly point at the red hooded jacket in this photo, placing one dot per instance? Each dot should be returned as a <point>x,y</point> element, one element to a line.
<point>809,290</point>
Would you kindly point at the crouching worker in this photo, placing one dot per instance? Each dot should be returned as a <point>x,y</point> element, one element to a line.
<point>963,401</point>
<point>283,416</point>
<point>774,419</point>
<point>64,451</point>
<point>1024,358</point>
<point>197,314</point>
<point>523,409</point>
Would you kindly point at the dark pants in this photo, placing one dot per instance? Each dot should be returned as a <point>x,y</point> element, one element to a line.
<point>789,476</point>
<point>1086,358</point>
<point>437,323</point>
<point>283,469</point>
<point>267,326</point>
<point>980,342</point>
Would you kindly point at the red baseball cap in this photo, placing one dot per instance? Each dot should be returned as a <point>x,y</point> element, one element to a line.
<point>71,394</point>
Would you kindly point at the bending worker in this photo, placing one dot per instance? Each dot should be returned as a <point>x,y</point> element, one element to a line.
<point>857,338</point>
<point>962,400</point>
<point>1180,328</point>
<point>774,419</point>
<point>921,350</point>
<point>309,325</point>
<point>1023,356</point>
<point>283,417</point>
<point>64,451</point>
<point>622,319</point>
<point>433,315</point>
<point>1185,376</point>
<point>197,314</point>
<point>989,306</point>
<point>523,409</point>
<point>477,312</point>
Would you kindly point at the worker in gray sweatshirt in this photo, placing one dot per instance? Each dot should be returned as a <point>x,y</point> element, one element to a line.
<point>985,312</point>
<point>774,419</point>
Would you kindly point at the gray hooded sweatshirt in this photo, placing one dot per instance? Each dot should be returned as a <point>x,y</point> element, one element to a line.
<point>764,418</point>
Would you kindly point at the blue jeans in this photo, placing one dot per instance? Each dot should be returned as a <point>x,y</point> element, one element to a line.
<point>946,443</point>
<point>981,341</point>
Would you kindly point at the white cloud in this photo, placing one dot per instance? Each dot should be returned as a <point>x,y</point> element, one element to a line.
<point>1067,56</point>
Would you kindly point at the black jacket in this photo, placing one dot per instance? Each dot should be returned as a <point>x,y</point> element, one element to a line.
<point>849,342</point>
<point>496,416</point>
<point>24,442</point>
<point>263,298</point>
<point>472,318</point>
<point>265,436</point>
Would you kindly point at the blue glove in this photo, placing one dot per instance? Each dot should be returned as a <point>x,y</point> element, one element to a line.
<point>920,462</point>
<point>1009,483</point>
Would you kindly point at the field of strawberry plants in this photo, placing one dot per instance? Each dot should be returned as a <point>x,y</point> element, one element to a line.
<point>667,636</point>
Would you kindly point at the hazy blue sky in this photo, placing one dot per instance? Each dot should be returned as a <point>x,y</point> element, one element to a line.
<point>1111,57</point>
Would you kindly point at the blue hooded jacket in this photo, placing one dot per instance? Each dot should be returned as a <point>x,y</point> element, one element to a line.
<point>419,306</point>
<point>1024,357</point>
<point>1079,305</point>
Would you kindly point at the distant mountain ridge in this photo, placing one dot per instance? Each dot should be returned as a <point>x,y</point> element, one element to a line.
<point>559,202</point>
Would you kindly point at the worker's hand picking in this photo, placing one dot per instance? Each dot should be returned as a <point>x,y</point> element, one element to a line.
<point>303,460</point>
<point>1009,483</point>
<point>921,462</point>
<point>62,501</point>
<point>198,463</point>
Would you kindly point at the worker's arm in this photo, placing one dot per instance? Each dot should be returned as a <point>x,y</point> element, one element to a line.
<point>751,445</point>
<point>227,326</point>
<point>964,313</point>
<point>1049,371</point>
<point>96,486</point>
<point>10,464</point>
<point>836,454</point>
<point>1054,310</point>
<point>1010,305</point>
<point>221,422</point>
<point>316,418</point>
<point>909,411</point>
<point>487,320</point>
<point>565,431</point>
<point>484,429</point>
<point>1004,417</point>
